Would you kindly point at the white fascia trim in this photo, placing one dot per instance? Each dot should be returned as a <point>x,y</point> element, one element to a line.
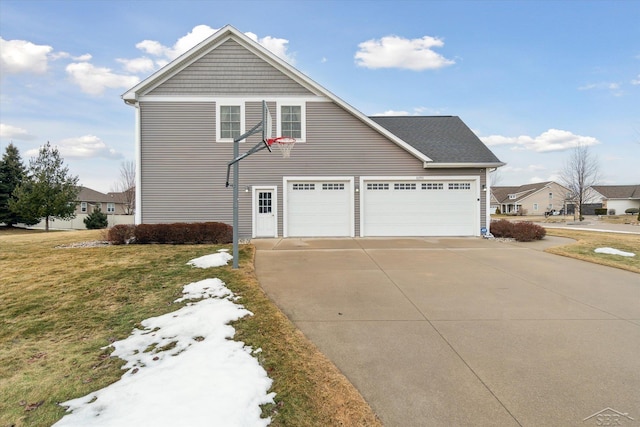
<point>274,207</point>
<point>210,98</point>
<point>431,165</point>
<point>138,153</point>
<point>285,191</point>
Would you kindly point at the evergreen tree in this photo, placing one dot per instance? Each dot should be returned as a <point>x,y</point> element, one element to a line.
<point>48,191</point>
<point>96,220</point>
<point>12,172</point>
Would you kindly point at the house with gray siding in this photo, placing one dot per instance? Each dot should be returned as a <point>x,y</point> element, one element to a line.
<point>348,175</point>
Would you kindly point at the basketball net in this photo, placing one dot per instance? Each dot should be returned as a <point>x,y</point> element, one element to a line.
<point>285,145</point>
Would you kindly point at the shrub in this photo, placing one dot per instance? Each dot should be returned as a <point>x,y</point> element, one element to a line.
<point>600,211</point>
<point>175,233</point>
<point>501,228</point>
<point>528,231</point>
<point>96,220</point>
<point>523,231</point>
<point>612,211</point>
<point>120,234</point>
<point>498,211</point>
<point>632,211</point>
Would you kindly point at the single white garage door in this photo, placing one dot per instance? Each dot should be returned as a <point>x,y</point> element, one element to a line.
<point>319,209</point>
<point>420,208</point>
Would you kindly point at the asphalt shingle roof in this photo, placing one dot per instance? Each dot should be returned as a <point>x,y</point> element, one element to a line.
<point>618,191</point>
<point>444,139</point>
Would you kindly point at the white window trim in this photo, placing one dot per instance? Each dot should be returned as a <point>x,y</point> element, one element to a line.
<point>84,207</point>
<point>111,207</point>
<point>303,116</point>
<point>224,102</point>
<point>535,206</point>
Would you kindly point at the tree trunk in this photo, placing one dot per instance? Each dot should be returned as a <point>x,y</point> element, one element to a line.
<point>46,223</point>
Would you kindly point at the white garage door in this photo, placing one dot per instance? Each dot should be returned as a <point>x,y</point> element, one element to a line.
<point>320,208</point>
<point>420,208</point>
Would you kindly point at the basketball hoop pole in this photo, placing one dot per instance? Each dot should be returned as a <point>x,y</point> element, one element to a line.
<point>236,173</point>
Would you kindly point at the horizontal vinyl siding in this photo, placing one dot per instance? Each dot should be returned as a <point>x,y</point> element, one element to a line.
<point>184,170</point>
<point>229,70</point>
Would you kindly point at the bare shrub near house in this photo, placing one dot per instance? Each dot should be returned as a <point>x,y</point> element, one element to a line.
<point>522,231</point>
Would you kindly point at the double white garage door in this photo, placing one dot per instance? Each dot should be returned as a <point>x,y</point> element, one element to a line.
<point>388,207</point>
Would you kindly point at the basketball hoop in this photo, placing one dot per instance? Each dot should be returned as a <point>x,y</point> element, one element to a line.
<point>284,143</point>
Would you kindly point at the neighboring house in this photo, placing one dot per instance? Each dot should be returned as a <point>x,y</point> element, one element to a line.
<point>90,200</point>
<point>112,204</point>
<point>349,174</point>
<point>530,199</point>
<point>618,198</point>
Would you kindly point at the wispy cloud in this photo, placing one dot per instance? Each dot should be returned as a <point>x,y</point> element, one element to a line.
<point>14,132</point>
<point>417,111</point>
<point>551,140</point>
<point>83,147</point>
<point>636,81</point>
<point>95,80</point>
<point>398,52</point>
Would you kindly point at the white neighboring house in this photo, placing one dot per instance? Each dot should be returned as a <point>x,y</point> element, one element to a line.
<point>618,198</point>
<point>112,204</point>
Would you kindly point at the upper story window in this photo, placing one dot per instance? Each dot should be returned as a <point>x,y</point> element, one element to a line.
<point>291,120</point>
<point>229,120</point>
<point>512,196</point>
<point>83,207</point>
<point>551,195</point>
<point>111,207</point>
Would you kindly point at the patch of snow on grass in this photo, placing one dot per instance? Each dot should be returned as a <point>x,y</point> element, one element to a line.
<point>183,369</point>
<point>612,251</point>
<point>214,260</point>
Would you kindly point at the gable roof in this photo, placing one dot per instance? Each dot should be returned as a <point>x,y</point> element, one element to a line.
<point>228,32</point>
<point>522,192</point>
<point>618,191</point>
<point>445,138</point>
<point>92,196</point>
<point>462,148</point>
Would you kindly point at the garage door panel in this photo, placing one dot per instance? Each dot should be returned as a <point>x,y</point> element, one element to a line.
<point>439,208</point>
<point>319,209</point>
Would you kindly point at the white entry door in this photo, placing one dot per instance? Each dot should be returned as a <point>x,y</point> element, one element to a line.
<point>264,212</point>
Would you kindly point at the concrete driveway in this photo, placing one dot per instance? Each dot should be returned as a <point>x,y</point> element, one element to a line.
<point>465,331</point>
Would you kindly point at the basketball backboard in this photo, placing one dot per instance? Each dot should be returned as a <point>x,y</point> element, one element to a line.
<point>267,125</point>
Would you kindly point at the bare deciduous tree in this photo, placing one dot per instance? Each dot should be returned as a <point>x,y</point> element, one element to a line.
<point>126,186</point>
<point>581,171</point>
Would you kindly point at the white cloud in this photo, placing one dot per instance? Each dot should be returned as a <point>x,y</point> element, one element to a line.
<point>65,55</point>
<point>398,52</point>
<point>21,56</point>
<point>417,111</point>
<point>199,33</point>
<point>14,132</point>
<point>95,80</point>
<point>83,147</point>
<point>636,81</point>
<point>551,140</point>
<point>137,65</point>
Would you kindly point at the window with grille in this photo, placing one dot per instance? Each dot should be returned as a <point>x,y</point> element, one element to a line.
<point>433,186</point>
<point>303,187</point>
<point>332,186</point>
<point>264,202</point>
<point>404,186</point>
<point>230,121</point>
<point>459,186</point>
<point>111,207</point>
<point>377,186</point>
<point>291,121</point>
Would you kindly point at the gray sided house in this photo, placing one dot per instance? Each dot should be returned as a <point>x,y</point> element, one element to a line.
<point>348,175</point>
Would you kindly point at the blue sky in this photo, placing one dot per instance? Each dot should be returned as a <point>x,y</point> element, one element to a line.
<point>532,78</point>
